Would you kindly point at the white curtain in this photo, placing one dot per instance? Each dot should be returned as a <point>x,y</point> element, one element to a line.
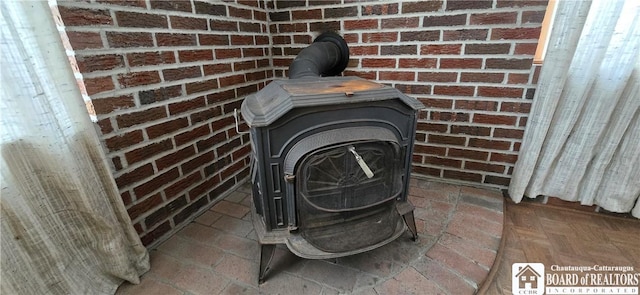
<point>582,141</point>
<point>64,228</point>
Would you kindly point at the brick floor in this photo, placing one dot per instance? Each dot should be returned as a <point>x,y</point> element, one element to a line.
<point>460,230</point>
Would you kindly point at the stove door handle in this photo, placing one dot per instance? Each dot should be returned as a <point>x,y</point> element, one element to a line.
<point>360,161</point>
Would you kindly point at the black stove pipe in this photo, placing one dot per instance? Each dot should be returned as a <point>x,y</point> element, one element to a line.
<point>328,55</point>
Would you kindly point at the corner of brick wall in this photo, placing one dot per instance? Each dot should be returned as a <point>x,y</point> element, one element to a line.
<point>469,62</point>
<point>163,79</point>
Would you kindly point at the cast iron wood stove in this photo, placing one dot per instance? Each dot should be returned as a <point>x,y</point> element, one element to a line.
<point>331,158</point>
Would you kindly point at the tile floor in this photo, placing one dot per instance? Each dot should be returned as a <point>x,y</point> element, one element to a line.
<point>460,230</point>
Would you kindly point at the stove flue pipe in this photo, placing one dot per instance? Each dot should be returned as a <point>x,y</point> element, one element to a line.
<point>328,55</point>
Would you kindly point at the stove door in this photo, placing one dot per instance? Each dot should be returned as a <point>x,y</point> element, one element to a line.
<point>346,196</point>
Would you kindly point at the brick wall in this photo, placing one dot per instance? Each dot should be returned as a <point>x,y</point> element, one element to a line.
<point>469,62</point>
<point>163,79</point>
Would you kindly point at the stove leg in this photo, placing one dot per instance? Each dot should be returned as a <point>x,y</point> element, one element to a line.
<point>266,255</point>
<point>410,221</point>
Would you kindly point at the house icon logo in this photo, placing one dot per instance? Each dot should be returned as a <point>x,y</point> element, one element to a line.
<point>527,278</point>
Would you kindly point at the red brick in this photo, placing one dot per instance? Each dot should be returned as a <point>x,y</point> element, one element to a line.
<point>144,206</point>
<point>509,63</point>
<point>229,171</point>
<point>518,78</point>
<point>180,5</point>
<point>492,179</point>
<point>156,233</point>
<point>140,20</point>
<point>440,103</point>
<point>119,142</point>
<point>535,17</point>
<point>185,106</point>
<point>482,77</point>
<point>130,119</point>
<point>468,4</point>
<point>131,3</point>
<point>135,175</point>
<point>201,86</point>
<point>453,90</point>
<point>192,135</point>
<point>414,89</point>
<point>307,14</point>
<point>397,76</point>
<point>97,85</point>
<point>526,48</point>
<point>107,105</point>
<point>129,39</point>
<point>402,22</point>
<point>449,116</point>
<point>437,76</point>
<point>220,96</point>
<point>515,107</point>
<point>515,34</point>
<point>365,24</point>
<point>228,53</point>
<point>499,92</point>
<point>494,119</point>
<point>105,126</point>
<point>421,6</point>
<point>222,25</point>
<point>494,18</point>
<point>470,130</point>
<point>175,189</point>
<point>501,48</point>
<point>188,23</point>
<point>508,133</point>
<point>445,20</point>
<point>254,52</point>
<point>505,158</point>
<point>438,161</point>
<point>420,36</point>
<point>210,9</point>
<point>73,16</point>
<point>380,9</point>
<point>476,105</point>
<point>460,63</point>
<point>483,167</point>
<point>166,39</point>
<point>198,162</point>
<point>231,80</point>
<point>167,127</point>
<point>181,73</point>
<point>251,27</point>
<point>84,40</point>
<point>240,12</point>
<point>157,182</point>
<point>419,63</point>
<point>468,154</point>
<point>150,58</point>
<point>441,49</point>
<point>489,144</point>
<point>378,63</point>
<point>102,62</point>
<point>445,139</point>
<point>522,122</point>
<point>228,146</point>
<point>465,34</point>
<point>340,12</point>
<point>195,55</point>
<point>148,151</point>
<point>242,40</point>
<point>379,37</point>
<point>175,158</point>
<point>126,198</point>
<point>211,39</point>
<point>138,78</point>
<point>217,68</point>
<point>521,3</point>
<point>244,65</point>
<point>159,94</point>
<point>474,177</point>
<point>430,150</point>
<point>426,170</point>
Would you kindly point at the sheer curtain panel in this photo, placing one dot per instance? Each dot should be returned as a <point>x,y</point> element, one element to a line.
<point>64,228</point>
<point>582,141</point>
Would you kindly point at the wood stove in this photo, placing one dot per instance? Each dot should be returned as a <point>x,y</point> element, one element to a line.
<point>331,158</point>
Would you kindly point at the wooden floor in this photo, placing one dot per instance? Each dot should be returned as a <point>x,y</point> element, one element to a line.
<point>552,234</point>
